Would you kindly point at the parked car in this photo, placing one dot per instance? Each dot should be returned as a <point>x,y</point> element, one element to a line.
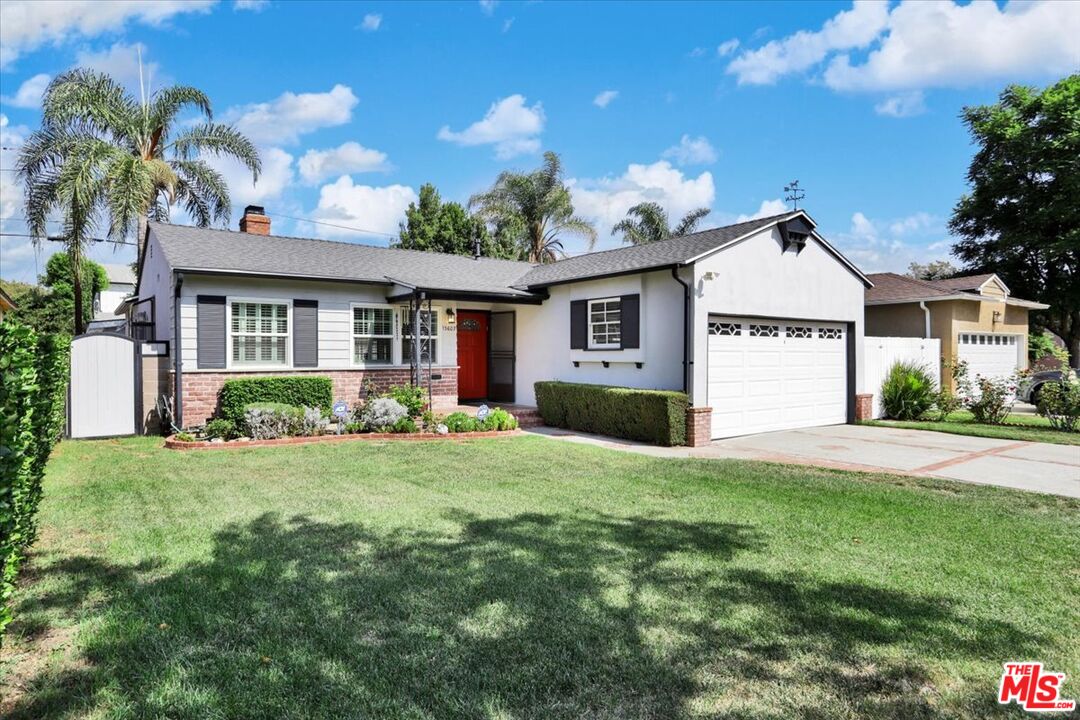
<point>1030,387</point>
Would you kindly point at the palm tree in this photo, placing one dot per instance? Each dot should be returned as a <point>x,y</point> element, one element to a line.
<point>101,151</point>
<point>535,208</point>
<point>652,226</point>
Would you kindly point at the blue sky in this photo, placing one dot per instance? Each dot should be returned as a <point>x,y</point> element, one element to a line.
<point>355,105</point>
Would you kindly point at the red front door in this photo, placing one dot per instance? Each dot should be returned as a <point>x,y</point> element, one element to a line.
<point>472,355</point>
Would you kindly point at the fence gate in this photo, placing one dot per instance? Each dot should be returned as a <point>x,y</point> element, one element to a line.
<point>101,396</point>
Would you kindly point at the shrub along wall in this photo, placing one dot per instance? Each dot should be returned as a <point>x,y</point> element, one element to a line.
<point>33,387</point>
<point>657,416</point>
<point>301,391</point>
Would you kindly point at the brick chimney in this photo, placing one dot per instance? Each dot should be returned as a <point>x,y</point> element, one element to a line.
<point>255,221</point>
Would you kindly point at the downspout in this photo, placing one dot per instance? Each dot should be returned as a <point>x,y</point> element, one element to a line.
<point>685,328</point>
<point>926,315</point>
<point>178,390</point>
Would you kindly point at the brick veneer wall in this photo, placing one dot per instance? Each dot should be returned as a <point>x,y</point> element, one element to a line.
<point>698,426</point>
<point>864,407</point>
<point>200,389</point>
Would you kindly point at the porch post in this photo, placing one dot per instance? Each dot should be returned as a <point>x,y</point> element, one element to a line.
<point>417,298</point>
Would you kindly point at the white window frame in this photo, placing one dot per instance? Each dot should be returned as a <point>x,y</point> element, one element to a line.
<point>393,336</point>
<point>229,363</point>
<point>437,336</point>
<point>592,345</point>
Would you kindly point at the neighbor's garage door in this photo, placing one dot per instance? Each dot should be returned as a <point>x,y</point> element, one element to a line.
<point>775,374</point>
<point>989,354</point>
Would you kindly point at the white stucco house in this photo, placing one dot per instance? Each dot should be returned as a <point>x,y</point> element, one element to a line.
<point>761,322</point>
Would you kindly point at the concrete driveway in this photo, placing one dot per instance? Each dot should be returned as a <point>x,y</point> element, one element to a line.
<point>1039,467</point>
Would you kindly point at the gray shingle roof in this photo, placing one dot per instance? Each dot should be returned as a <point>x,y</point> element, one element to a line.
<point>970,282</point>
<point>191,248</point>
<point>641,257</point>
<point>121,274</point>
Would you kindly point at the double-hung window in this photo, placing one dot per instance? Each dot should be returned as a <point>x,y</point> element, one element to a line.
<point>260,333</point>
<point>605,324</point>
<point>373,335</point>
<point>429,335</point>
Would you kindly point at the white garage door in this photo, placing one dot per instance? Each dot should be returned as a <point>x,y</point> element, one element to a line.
<point>775,374</point>
<point>989,354</point>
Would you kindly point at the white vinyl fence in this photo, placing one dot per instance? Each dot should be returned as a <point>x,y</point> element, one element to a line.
<point>101,396</point>
<point>881,353</point>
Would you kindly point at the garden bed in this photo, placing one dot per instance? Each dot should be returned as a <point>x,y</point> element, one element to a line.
<point>173,444</point>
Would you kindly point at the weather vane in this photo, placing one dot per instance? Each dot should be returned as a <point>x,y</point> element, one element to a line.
<point>794,194</point>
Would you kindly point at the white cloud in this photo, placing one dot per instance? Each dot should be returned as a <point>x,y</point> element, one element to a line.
<point>604,99</point>
<point>350,157</point>
<point>275,177</point>
<point>606,200</point>
<point>11,138</point>
<point>376,209</point>
<point>253,5</point>
<point>488,6</point>
<point>697,52</point>
<point>286,118</point>
<point>727,47</point>
<point>904,105</point>
<point>29,93</point>
<point>691,151</point>
<point>948,45</point>
<point>27,25</point>
<point>915,45</point>
<point>509,125</point>
<point>768,209</point>
<point>120,61</point>
<point>371,22</point>
<point>892,245</point>
<point>507,24</point>
<point>849,29</point>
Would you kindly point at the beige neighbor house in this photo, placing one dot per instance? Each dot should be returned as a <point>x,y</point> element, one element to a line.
<point>975,317</point>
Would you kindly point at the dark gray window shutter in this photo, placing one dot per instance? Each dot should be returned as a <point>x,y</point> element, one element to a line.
<point>210,331</point>
<point>305,332</point>
<point>630,312</point>
<point>579,324</point>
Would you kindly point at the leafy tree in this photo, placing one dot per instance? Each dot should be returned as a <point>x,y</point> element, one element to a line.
<point>15,289</point>
<point>50,307</point>
<point>102,150</point>
<point>933,270</point>
<point>448,228</point>
<point>1021,218</point>
<point>533,210</point>
<point>647,222</point>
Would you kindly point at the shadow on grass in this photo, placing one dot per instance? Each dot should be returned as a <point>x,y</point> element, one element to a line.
<point>524,617</point>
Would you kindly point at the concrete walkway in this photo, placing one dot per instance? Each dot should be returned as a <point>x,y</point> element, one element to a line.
<point>1039,467</point>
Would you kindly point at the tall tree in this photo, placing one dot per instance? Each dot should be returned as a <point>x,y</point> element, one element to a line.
<point>534,210</point>
<point>647,222</point>
<point>933,270</point>
<point>1021,218</point>
<point>447,227</point>
<point>101,151</point>
<point>50,307</point>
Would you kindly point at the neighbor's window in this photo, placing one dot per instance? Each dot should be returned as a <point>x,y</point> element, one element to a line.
<point>260,333</point>
<point>429,335</point>
<point>373,335</point>
<point>605,323</point>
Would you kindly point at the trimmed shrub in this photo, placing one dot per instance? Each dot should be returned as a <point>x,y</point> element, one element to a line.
<point>908,391</point>
<point>381,414</point>
<point>33,388</point>
<point>1059,402</point>
<point>298,391</point>
<point>220,428</point>
<point>656,416</point>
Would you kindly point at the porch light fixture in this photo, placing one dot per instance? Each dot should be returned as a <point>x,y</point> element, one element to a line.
<point>451,318</point>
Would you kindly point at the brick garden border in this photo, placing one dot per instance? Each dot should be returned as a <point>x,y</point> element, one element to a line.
<point>173,444</point>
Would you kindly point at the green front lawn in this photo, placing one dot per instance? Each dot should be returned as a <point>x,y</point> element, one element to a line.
<point>1029,428</point>
<point>527,578</point>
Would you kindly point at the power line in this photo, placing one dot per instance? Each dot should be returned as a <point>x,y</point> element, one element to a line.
<point>333,225</point>
<point>57,238</point>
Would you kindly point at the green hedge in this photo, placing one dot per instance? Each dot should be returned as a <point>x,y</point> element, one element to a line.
<point>33,388</point>
<point>301,391</point>
<point>657,416</point>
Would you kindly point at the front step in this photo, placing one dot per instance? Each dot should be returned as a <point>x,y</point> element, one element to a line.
<point>528,418</point>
